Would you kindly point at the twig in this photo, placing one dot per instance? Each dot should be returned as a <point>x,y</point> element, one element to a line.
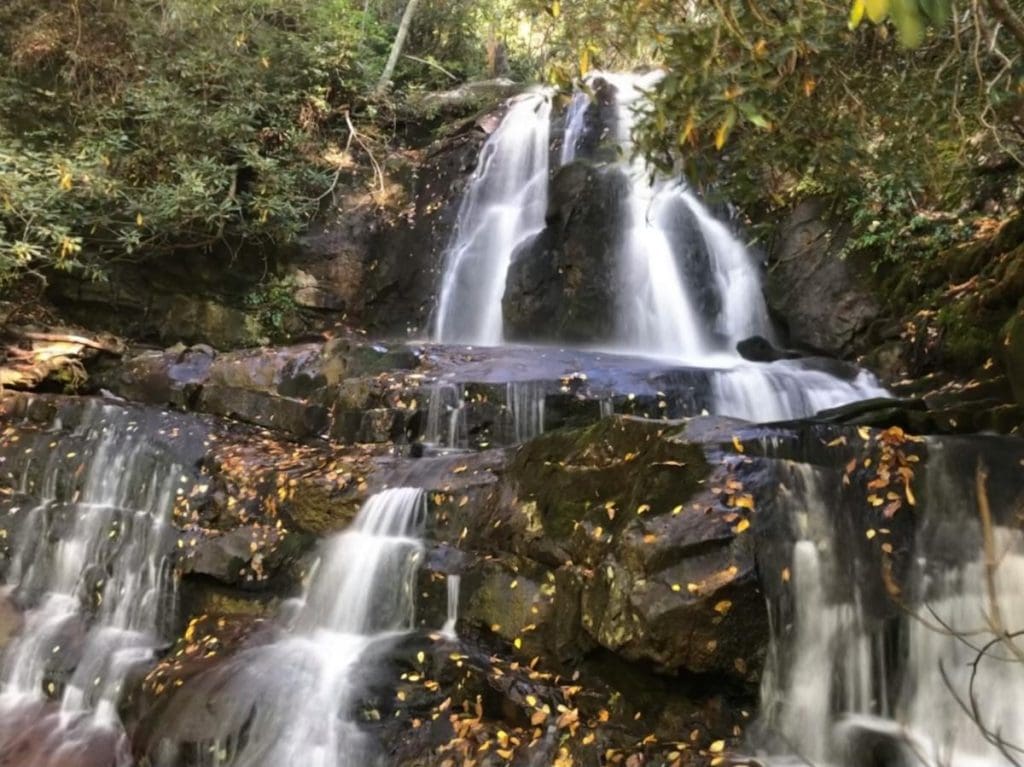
<point>433,64</point>
<point>995,617</point>
<point>354,134</point>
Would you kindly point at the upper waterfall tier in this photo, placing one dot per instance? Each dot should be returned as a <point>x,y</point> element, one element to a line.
<point>505,204</point>
<point>565,236</point>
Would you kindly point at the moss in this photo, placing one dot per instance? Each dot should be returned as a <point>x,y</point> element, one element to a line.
<point>622,461</point>
<point>315,509</point>
<point>969,336</point>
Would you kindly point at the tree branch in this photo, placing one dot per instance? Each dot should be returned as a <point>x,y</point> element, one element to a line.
<point>1002,11</point>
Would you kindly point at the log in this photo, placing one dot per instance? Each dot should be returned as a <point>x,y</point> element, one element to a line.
<point>31,356</point>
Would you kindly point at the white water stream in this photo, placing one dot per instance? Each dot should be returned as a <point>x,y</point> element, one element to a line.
<point>835,692</point>
<point>91,564</point>
<point>290,702</point>
<point>658,277</point>
<point>505,203</point>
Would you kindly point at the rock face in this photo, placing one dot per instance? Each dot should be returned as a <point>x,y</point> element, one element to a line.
<point>813,290</point>
<point>635,556</point>
<point>561,283</point>
<point>1013,353</point>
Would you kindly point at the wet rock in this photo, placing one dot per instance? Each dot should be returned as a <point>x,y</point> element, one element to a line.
<point>292,416</point>
<point>173,377</point>
<point>560,284</point>
<point>760,349</point>
<point>1013,353</point>
<point>640,558</point>
<point>405,254</point>
<point>824,301</point>
<point>193,320</point>
<point>11,621</point>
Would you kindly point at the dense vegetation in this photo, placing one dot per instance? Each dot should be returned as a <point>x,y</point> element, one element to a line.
<point>132,130</point>
<point>139,129</point>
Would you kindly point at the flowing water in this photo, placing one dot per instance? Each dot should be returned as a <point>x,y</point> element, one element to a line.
<point>290,702</point>
<point>844,687</point>
<point>91,568</point>
<point>505,203</point>
<point>688,290</point>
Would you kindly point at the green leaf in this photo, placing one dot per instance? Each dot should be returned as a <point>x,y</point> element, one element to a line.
<point>937,11</point>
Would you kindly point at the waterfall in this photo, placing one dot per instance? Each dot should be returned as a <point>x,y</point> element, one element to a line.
<point>91,567</point>
<point>290,702</point>
<point>505,203</point>
<point>575,119</point>
<point>453,582</point>
<point>687,290</point>
<point>783,390</point>
<point>835,690</point>
<point>445,416</point>
<point>526,401</point>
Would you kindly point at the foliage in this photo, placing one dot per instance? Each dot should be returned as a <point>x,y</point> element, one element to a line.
<point>143,129</point>
<point>273,301</point>
<point>768,101</point>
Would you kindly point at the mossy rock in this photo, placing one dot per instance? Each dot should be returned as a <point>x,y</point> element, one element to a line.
<point>1013,352</point>
<point>621,463</point>
<point>318,510</point>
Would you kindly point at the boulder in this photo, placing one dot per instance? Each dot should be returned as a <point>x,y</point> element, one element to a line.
<point>823,299</point>
<point>561,283</point>
<point>642,561</point>
<point>760,349</point>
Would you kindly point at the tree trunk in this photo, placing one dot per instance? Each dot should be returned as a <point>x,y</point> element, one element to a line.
<point>396,48</point>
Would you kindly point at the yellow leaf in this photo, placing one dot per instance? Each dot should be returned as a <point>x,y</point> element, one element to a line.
<point>139,220</point>
<point>877,10</point>
<point>785,575</point>
<point>556,9</point>
<point>737,444</point>
<point>688,135</point>
<point>745,501</point>
<point>717,747</point>
<point>584,61</point>
<point>722,135</point>
<point>723,607</point>
<point>910,496</point>
<point>742,525</point>
<point>857,13</point>
<point>643,509</point>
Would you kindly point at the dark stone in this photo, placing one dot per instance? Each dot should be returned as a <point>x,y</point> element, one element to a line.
<point>561,283</point>
<point>825,302</point>
<point>760,349</point>
<point>1013,353</point>
<point>295,417</point>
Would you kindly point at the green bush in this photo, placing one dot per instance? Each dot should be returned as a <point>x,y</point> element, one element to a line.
<point>143,129</point>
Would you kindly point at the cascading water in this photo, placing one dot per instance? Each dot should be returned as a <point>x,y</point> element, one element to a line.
<point>687,289</point>
<point>289,702</point>
<point>575,119</point>
<point>839,690</point>
<point>453,585</point>
<point>91,567</point>
<point>785,390</point>
<point>526,401</point>
<point>505,203</point>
